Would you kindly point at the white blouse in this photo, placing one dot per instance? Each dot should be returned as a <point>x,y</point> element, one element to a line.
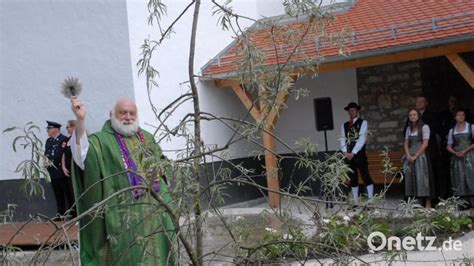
<point>466,129</point>
<point>425,129</point>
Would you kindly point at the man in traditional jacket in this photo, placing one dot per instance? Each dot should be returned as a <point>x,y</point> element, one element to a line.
<point>353,137</point>
<point>116,173</point>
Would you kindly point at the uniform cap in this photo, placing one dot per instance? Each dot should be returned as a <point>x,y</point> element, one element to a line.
<point>52,124</point>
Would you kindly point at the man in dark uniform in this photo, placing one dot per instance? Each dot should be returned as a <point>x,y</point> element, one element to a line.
<point>54,150</point>
<point>353,138</point>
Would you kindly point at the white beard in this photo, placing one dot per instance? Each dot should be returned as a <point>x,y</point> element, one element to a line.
<point>123,129</point>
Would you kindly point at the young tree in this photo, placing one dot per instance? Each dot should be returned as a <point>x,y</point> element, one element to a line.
<point>198,194</point>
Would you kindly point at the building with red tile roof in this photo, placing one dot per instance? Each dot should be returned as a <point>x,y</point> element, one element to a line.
<point>357,36</point>
<point>366,28</point>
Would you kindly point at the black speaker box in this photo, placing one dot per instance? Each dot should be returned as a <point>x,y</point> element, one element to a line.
<point>323,114</point>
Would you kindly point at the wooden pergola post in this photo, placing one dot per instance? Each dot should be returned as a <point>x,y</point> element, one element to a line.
<point>261,110</point>
<point>271,167</point>
<point>271,114</point>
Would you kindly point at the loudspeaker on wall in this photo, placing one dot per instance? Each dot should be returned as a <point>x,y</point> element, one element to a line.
<point>323,114</point>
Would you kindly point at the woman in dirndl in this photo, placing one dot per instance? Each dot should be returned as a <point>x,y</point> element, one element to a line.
<point>417,167</point>
<point>461,146</point>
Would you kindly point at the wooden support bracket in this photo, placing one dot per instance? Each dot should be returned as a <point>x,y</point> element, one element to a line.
<point>248,101</point>
<point>462,67</point>
<point>271,115</point>
<point>220,83</point>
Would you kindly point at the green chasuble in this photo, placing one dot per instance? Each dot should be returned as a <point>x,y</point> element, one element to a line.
<point>127,230</point>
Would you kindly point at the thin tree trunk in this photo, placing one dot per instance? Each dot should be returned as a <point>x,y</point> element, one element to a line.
<point>197,136</point>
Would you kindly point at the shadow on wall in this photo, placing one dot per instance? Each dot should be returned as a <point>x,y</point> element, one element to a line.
<point>291,177</point>
<point>13,193</point>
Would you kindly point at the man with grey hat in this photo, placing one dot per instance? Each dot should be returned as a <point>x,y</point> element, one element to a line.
<point>54,150</point>
<point>353,138</point>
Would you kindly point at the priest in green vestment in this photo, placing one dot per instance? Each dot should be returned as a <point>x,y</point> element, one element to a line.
<point>116,173</point>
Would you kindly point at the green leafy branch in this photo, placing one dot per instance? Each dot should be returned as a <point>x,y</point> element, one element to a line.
<point>34,168</point>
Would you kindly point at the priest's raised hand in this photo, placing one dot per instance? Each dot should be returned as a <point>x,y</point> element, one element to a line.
<point>79,111</point>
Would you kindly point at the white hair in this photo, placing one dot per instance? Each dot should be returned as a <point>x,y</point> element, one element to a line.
<point>122,127</point>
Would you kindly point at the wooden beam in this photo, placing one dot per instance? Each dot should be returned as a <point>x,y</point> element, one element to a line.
<point>246,98</point>
<point>262,97</point>
<point>273,183</point>
<point>271,161</point>
<point>463,68</point>
<point>277,107</point>
<point>417,54</point>
<point>271,166</point>
<point>222,83</point>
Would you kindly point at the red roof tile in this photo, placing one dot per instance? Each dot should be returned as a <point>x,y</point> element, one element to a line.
<point>373,25</point>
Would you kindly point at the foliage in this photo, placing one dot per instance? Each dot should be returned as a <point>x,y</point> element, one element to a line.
<point>7,255</point>
<point>448,220</point>
<point>349,234</point>
<point>198,194</point>
<point>340,233</point>
<point>33,169</point>
<point>260,242</point>
<point>6,216</point>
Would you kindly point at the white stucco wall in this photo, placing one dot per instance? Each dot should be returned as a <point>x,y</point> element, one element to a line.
<point>44,41</point>
<point>298,120</point>
<point>295,122</point>
<point>171,60</point>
